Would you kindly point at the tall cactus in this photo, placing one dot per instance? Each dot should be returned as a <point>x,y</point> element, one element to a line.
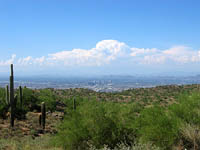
<point>7,95</point>
<point>74,104</point>
<point>43,117</point>
<point>40,119</point>
<point>12,114</point>
<point>15,100</point>
<point>20,96</point>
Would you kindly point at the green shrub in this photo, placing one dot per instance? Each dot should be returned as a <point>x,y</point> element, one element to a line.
<point>3,109</point>
<point>47,96</point>
<point>188,108</point>
<point>3,105</point>
<point>30,101</point>
<point>99,124</point>
<point>33,99</point>
<point>156,126</point>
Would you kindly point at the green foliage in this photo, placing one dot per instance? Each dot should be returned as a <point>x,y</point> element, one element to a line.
<point>154,125</point>
<point>30,101</point>
<point>97,123</point>
<point>110,123</point>
<point>152,115</point>
<point>47,96</point>
<point>75,131</point>
<point>3,105</point>
<point>69,102</point>
<point>188,108</point>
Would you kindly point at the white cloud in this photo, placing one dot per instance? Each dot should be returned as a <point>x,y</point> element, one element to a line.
<point>109,51</point>
<point>143,51</point>
<point>104,52</point>
<point>25,61</point>
<point>177,54</point>
<point>9,61</point>
<point>40,60</point>
<point>31,61</point>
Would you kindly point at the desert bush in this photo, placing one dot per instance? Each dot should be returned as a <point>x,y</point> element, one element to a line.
<point>135,146</point>
<point>190,135</point>
<point>156,126</point>
<point>97,123</point>
<point>187,108</point>
<point>3,109</point>
<point>47,96</point>
<point>3,105</point>
<point>30,101</point>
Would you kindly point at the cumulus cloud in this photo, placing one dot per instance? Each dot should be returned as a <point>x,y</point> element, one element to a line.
<point>104,52</point>
<point>109,51</point>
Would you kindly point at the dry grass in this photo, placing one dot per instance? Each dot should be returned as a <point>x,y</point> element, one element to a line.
<point>136,146</point>
<point>29,126</point>
<point>27,143</point>
<point>191,133</point>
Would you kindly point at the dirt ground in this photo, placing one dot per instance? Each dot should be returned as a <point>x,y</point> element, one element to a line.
<point>30,126</point>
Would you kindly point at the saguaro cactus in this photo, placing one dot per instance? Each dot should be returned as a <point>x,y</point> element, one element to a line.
<point>43,117</point>
<point>12,113</point>
<point>15,100</point>
<point>7,95</point>
<point>20,96</point>
<point>74,104</point>
<point>40,119</point>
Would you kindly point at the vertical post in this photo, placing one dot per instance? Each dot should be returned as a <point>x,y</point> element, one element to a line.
<point>12,114</point>
<point>43,117</point>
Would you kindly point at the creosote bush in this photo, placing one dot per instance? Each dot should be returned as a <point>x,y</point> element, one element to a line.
<point>95,123</point>
<point>156,126</point>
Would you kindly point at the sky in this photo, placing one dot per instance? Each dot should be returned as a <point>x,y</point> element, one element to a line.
<point>100,37</point>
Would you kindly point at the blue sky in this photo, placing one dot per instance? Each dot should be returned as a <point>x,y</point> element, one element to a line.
<point>100,36</point>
